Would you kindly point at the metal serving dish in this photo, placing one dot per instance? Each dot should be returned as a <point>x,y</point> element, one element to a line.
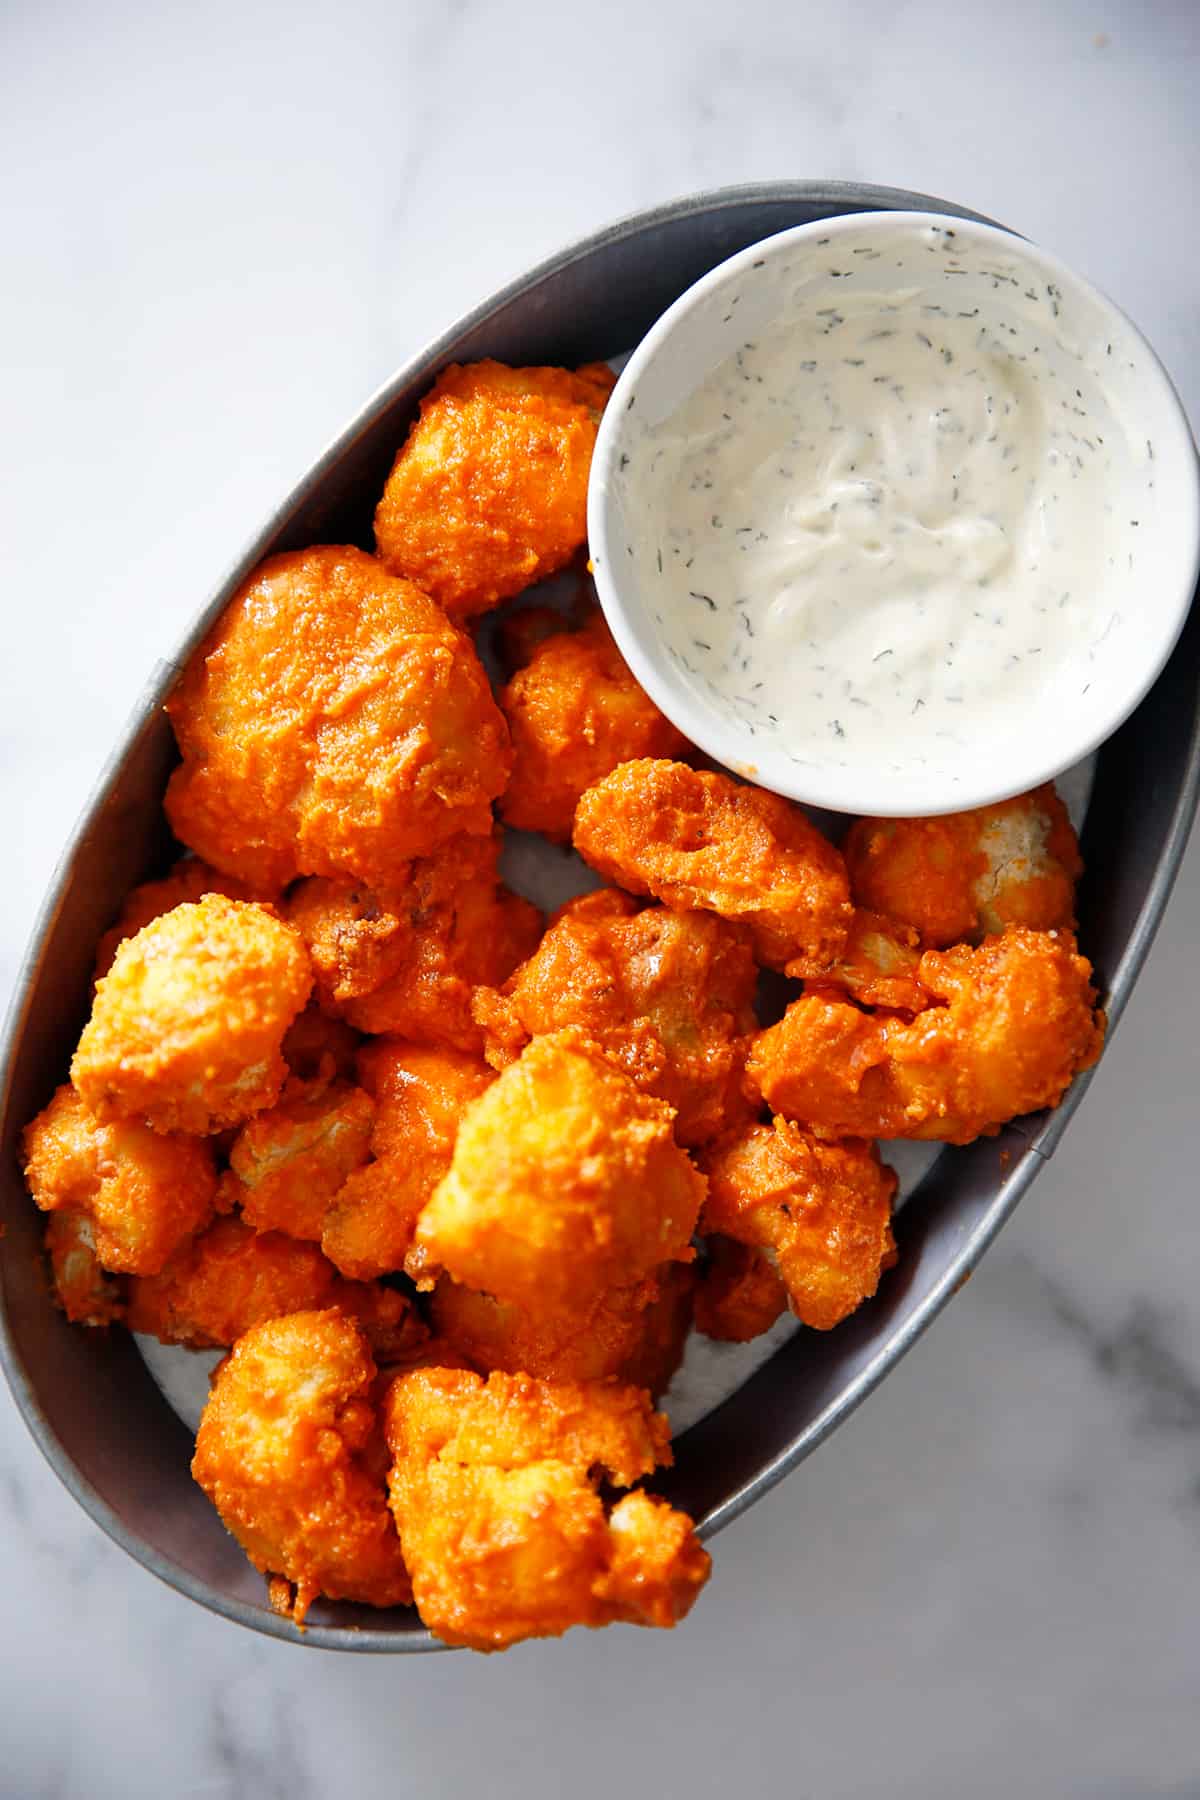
<point>89,1399</point>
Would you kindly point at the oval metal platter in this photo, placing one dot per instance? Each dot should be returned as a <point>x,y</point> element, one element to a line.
<point>89,1399</point>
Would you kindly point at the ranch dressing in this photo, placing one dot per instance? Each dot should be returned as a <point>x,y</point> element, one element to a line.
<point>880,519</point>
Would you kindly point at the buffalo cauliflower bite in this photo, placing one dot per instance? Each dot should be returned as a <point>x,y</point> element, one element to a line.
<point>420,1094</point>
<point>668,996</point>
<point>878,966</point>
<point>287,1164</point>
<point>970,874</point>
<point>1009,1026</point>
<point>285,1454</point>
<point>334,722</point>
<point>144,1193</point>
<point>574,712</point>
<point>189,880</point>
<point>83,1288</point>
<point>494,1491</point>
<point>406,962</point>
<point>699,840</point>
<point>566,1181</point>
<point>489,492</point>
<point>636,1332</point>
<point>187,1025</point>
<point>821,1212</point>
<point>231,1278</point>
<point>739,1295</point>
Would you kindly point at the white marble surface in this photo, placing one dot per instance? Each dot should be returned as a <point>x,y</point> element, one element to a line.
<point>223,226</point>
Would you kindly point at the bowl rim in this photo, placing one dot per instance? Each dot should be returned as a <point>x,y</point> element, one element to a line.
<point>854,197</point>
<point>850,792</point>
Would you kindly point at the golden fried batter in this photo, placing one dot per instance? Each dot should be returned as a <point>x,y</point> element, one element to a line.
<point>284,1452</point>
<point>333,723</point>
<point>668,996</point>
<point>287,1164</point>
<point>145,1193</point>
<point>189,880</point>
<point>494,1494</point>
<point>566,1182</point>
<point>574,712</point>
<point>972,873</point>
<point>187,1025</point>
<point>1011,1024</point>
<point>738,1293</point>
<point>635,1332</point>
<point>420,1094</point>
<point>231,1278</point>
<point>86,1293</point>
<point>406,961</point>
<point>489,492</point>
<point>699,840</point>
<point>878,967</point>
<point>822,1212</point>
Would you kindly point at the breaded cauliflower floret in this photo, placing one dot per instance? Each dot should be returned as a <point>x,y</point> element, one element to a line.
<point>187,1025</point>
<point>635,1333</point>
<point>494,1491</point>
<point>189,880</point>
<point>406,961</point>
<point>669,996</point>
<point>230,1278</point>
<point>969,874</point>
<point>566,1181</point>
<point>334,722</point>
<point>145,1193</point>
<point>574,712</point>
<point>285,1453</point>
<point>704,841</point>
<point>878,966</point>
<point>287,1164</point>
<point>83,1288</point>
<point>489,492</point>
<point>738,1293</point>
<point>822,1212</point>
<point>420,1094</point>
<point>1009,1026</point>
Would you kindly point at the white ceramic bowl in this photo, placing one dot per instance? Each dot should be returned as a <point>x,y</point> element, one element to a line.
<point>1090,355</point>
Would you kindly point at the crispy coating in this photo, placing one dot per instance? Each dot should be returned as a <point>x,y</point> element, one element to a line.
<point>283,1452</point>
<point>83,1288</point>
<point>144,1193</point>
<point>695,839</point>
<point>333,723</point>
<point>636,1332</point>
<point>878,967</point>
<point>574,712</point>
<point>822,1212</point>
<point>970,874</point>
<point>494,1493</point>
<point>420,1095</point>
<point>489,492</point>
<point>406,962</point>
<point>1011,1024</point>
<point>230,1278</point>
<point>187,1026</point>
<point>566,1181</point>
<point>189,880</point>
<point>739,1295</point>
<point>668,996</point>
<point>287,1164</point>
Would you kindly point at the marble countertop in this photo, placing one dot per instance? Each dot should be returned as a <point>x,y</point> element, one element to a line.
<point>224,226</point>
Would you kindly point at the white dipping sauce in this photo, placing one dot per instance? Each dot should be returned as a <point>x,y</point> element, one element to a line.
<point>884,516</point>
